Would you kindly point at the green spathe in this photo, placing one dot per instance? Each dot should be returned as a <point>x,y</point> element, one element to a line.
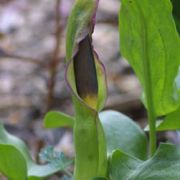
<point>89,138</point>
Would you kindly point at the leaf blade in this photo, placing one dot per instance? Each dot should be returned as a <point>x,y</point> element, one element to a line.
<point>162,45</point>
<point>122,133</point>
<point>34,171</point>
<point>11,158</point>
<point>56,119</point>
<point>164,165</point>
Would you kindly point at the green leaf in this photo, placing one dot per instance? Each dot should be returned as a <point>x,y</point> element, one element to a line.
<point>164,165</point>
<point>17,146</point>
<point>55,119</point>
<point>122,133</point>
<point>12,163</point>
<point>8,139</point>
<point>150,42</point>
<point>42,171</point>
<point>120,130</point>
<point>170,122</point>
<point>122,165</point>
<point>100,178</point>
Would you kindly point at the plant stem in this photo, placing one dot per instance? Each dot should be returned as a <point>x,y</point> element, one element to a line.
<point>148,88</point>
<point>152,132</point>
<point>150,105</point>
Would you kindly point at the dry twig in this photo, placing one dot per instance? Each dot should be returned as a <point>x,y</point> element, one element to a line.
<point>55,58</point>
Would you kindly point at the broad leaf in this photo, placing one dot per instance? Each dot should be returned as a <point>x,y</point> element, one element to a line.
<point>8,139</point>
<point>164,165</point>
<point>121,132</point>
<point>170,122</point>
<point>17,146</point>
<point>55,119</point>
<point>12,163</point>
<point>151,44</point>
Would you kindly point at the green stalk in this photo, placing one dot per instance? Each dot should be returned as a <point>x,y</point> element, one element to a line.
<point>85,77</point>
<point>89,139</point>
<point>148,89</point>
<point>150,106</point>
<point>152,122</point>
<point>149,100</point>
<point>90,144</point>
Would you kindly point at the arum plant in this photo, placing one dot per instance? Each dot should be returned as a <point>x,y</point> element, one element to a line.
<point>86,79</point>
<point>149,41</point>
<point>108,144</point>
<point>93,131</point>
<point>85,76</point>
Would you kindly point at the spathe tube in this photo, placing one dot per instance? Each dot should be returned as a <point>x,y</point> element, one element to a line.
<point>89,139</point>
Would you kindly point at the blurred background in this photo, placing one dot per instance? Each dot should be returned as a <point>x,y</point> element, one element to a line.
<point>32,53</point>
